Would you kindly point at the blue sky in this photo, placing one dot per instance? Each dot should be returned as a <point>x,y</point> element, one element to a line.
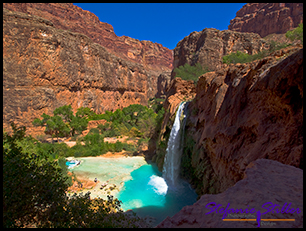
<point>164,23</point>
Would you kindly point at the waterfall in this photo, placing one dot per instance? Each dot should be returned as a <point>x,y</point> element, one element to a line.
<point>174,150</point>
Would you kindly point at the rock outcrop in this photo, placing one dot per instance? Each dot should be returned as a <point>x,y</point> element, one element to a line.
<point>267,18</point>
<point>265,181</point>
<point>208,46</point>
<point>242,113</point>
<point>45,67</point>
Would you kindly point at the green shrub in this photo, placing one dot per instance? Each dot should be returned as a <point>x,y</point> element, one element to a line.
<point>238,57</point>
<point>188,72</point>
<point>296,34</point>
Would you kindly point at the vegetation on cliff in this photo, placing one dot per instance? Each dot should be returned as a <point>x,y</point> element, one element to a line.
<point>296,34</point>
<point>188,72</point>
<point>240,57</point>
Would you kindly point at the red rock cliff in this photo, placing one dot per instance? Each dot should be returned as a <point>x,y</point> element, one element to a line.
<point>267,18</point>
<point>45,67</point>
<point>208,46</point>
<point>242,113</point>
<point>67,16</point>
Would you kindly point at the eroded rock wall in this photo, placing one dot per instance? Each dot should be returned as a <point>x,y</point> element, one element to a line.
<point>267,18</point>
<point>208,46</point>
<point>67,16</point>
<point>45,67</point>
<point>242,113</point>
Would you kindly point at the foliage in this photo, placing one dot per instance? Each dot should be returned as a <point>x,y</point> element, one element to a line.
<point>240,57</point>
<point>34,192</point>
<point>64,123</point>
<point>296,34</point>
<point>135,120</point>
<point>188,72</point>
<point>31,183</point>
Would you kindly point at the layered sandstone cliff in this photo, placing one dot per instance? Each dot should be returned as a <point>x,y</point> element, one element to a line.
<point>208,46</point>
<point>67,16</point>
<point>267,18</point>
<point>264,181</point>
<point>45,67</point>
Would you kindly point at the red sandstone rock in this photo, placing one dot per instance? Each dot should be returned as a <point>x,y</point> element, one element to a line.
<point>245,112</point>
<point>267,18</point>
<point>67,16</point>
<point>208,46</point>
<point>45,68</point>
<point>264,181</point>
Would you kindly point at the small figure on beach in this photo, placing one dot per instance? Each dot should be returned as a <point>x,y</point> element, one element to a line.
<point>95,180</point>
<point>103,185</point>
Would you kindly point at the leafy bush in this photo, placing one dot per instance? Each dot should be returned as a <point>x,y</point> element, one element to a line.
<point>238,57</point>
<point>296,34</point>
<point>63,123</point>
<point>188,72</point>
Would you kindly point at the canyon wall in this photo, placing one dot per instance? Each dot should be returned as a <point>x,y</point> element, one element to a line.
<point>267,18</point>
<point>242,113</point>
<point>67,16</point>
<point>208,46</point>
<point>45,66</point>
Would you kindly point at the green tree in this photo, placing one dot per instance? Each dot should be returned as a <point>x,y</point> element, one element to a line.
<point>296,34</point>
<point>65,111</point>
<point>237,57</point>
<point>31,183</point>
<point>55,126</point>
<point>84,112</point>
<point>188,72</point>
<point>64,123</point>
<point>78,124</point>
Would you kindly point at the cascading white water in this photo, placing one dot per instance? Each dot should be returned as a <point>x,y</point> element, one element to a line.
<point>174,150</point>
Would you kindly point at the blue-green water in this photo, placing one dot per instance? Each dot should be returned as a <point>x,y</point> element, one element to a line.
<point>148,194</point>
<point>141,186</point>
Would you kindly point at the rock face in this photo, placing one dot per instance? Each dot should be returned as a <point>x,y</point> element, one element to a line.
<point>267,18</point>
<point>208,46</point>
<point>67,16</point>
<point>242,113</point>
<point>45,67</point>
<point>264,181</point>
